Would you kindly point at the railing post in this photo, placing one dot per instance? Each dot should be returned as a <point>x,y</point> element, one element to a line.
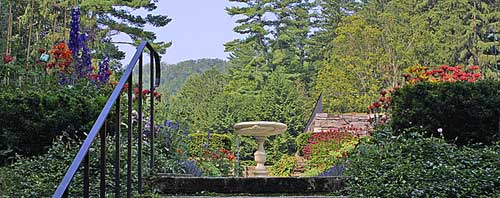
<point>102,185</point>
<point>139,131</point>
<point>129,138</point>
<point>151,111</point>
<point>117,149</point>
<point>86,175</point>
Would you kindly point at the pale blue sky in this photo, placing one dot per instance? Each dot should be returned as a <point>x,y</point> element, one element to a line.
<point>199,28</point>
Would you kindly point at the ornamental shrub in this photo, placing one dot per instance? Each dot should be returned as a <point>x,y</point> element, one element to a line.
<point>412,165</point>
<point>199,142</point>
<point>465,112</point>
<point>212,153</point>
<point>325,149</point>
<point>283,167</point>
<point>38,176</point>
<point>30,118</point>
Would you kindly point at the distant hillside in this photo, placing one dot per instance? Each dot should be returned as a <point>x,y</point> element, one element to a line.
<point>174,75</point>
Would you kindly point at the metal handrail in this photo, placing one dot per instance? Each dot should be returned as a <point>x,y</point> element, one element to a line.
<point>82,155</point>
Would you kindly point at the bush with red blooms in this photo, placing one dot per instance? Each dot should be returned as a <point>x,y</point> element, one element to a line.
<point>216,162</point>
<point>461,112</point>
<point>145,92</point>
<point>211,153</point>
<point>443,73</point>
<point>418,74</point>
<point>326,148</point>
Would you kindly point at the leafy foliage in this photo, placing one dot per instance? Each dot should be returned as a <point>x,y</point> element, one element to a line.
<point>42,113</point>
<point>465,112</point>
<point>410,165</point>
<point>326,149</point>
<point>283,167</point>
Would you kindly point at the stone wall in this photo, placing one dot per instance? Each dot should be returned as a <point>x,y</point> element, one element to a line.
<point>327,121</point>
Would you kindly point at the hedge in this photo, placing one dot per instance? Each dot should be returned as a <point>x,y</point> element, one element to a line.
<point>411,165</point>
<point>466,112</point>
<point>31,118</point>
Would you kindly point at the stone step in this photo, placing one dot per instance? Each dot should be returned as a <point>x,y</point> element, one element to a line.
<point>247,185</point>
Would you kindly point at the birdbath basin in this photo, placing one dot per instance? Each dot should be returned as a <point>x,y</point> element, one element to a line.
<point>260,130</point>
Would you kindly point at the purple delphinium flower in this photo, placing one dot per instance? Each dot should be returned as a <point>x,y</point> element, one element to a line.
<point>104,72</point>
<point>86,60</point>
<point>74,33</point>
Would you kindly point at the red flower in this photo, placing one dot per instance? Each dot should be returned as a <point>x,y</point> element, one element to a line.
<point>383,92</point>
<point>136,91</point>
<point>377,104</point>
<point>215,156</point>
<point>7,59</point>
<point>476,75</point>
<point>146,92</point>
<point>157,95</point>
<point>223,150</point>
<point>125,87</point>
<point>382,99</point>
<point>230,157</point>
<point>474,67</point>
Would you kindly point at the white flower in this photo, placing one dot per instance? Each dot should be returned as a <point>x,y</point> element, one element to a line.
<point>440,130</point>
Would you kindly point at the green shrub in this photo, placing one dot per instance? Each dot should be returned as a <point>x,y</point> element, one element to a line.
<point>326,149</point>
<point>199,142</point>
<point>278,145</point>
<point>311,172</point>
<point>31,117</point>
<point>247,147</point>
<point>411,165</point>
<point>467,112</point>
<point>301,141</point>
<point>213,153</point>
<point>283,167</point>
<point>38,176</point>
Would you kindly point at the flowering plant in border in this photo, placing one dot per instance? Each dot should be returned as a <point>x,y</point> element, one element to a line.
<point>443,73</point>
<point>61,55</point>
<point>211,153</point>
<point>326,148</point>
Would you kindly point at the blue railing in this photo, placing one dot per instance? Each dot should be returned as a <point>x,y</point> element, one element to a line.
<point>114,99</point>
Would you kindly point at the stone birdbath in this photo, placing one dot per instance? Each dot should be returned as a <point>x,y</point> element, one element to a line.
<point>260,130</point>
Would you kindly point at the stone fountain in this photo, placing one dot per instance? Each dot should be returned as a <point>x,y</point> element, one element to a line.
<point>260,130</point>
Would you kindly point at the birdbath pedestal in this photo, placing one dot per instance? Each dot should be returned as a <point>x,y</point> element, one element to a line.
<point>260,130</point>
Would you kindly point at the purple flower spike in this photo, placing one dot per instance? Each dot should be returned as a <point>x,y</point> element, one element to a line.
<point>104,71</point>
